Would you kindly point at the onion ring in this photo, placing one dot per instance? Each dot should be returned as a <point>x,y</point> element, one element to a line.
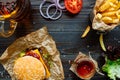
<point>52,17</point>
<point>58,7</point>
<point>40,8</point>
<point>58,4</point>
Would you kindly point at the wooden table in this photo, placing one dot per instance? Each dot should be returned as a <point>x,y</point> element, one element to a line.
<point>67,32</point>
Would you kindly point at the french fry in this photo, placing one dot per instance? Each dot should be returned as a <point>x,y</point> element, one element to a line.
<point>102,42</point>
<point>113,1</point>
<point>110,20</point>
<point>111,9</point>
<point>85,32</point>
<point>107,4</point>
<point>108,14</point>
<point>114,17</point>
<point>99,16</point>
<point>106,20</point>
<point>114,21</point>
<point>104,6</point>
<point>116,2</point>
<point>113,5</point>
<point>118,5</point>
<point>118,14</point>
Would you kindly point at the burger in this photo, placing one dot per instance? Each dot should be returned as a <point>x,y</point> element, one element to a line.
<point>32,65</point>
<point>33,57</point>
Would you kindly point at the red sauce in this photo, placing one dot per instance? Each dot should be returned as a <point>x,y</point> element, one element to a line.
<point>33,54</point>
<point>85,68</point>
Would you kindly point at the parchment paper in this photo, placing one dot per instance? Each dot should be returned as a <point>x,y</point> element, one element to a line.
<point>82,57</point>
<point>35,39</point>
<point>99,24</point>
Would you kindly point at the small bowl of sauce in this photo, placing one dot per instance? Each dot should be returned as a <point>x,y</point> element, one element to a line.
<point>84,66</point>
<point>85,69</point>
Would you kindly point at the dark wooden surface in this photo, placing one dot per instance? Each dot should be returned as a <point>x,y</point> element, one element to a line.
<point>67,32</point>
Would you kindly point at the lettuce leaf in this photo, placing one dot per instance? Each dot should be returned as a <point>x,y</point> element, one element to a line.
<point>112,68</point>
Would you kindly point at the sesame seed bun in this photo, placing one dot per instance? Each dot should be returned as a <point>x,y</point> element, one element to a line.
<point>29,68</point>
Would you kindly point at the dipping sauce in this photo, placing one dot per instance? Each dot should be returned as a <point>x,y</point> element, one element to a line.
<point>85,69</point>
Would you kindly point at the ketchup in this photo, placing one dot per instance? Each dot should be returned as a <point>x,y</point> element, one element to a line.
<point>85,68</point>
<point>33,54</point>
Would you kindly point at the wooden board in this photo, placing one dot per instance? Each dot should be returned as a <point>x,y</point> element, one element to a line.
<point>67,32</point>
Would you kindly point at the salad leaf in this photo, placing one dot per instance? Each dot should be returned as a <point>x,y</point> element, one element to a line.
<point>112,68</point>
<point>22,54</point>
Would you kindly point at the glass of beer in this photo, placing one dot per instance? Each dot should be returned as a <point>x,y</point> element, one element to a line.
<point>11,13</point>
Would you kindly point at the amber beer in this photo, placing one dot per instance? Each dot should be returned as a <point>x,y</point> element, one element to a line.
<point>14,11</point>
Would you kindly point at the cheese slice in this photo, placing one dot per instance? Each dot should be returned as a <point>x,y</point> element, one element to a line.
<point>47,71</point>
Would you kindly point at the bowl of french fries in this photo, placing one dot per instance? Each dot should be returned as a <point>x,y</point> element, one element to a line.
<point>106,15</point>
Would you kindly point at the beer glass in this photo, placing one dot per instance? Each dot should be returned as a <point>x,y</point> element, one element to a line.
<point>12,12</point>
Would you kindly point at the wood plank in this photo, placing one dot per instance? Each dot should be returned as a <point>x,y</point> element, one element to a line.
<point>67,32</point>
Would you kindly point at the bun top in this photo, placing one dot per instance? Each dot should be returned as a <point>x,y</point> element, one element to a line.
<point>29,68</point>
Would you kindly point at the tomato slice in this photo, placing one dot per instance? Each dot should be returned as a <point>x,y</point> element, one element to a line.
<point>73,6</point>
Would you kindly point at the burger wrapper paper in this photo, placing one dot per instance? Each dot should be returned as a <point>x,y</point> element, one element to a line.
<point>37,39</point>
<point>98,24</point>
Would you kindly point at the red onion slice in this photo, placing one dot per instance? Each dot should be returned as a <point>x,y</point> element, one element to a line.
<point>53,17</point>
<point>40,9</point>
<point>58,4</point>
<point>58,9</point>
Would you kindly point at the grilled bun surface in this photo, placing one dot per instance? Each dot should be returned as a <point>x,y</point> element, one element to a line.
<point>29,68</point>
